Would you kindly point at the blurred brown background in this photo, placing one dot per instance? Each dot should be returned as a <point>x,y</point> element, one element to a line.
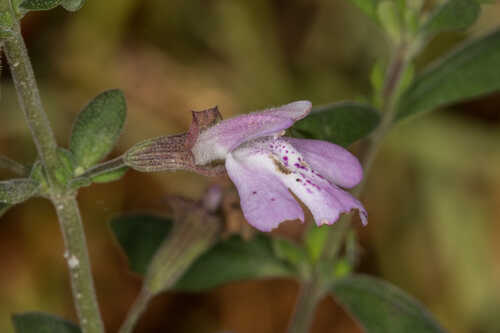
<point>433,194</point>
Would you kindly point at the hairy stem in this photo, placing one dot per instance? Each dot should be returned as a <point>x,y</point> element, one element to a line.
<point>78,262</point>
<point>30,102</point>
<point>62,198</point>
<point>305,307</point>
<point>107,166</point>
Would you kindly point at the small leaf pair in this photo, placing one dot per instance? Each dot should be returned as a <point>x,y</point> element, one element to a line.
<point>69,5</point>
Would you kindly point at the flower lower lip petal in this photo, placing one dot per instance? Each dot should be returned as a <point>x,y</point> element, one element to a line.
<point>265,200</point>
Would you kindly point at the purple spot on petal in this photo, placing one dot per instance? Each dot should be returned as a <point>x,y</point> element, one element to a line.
<point>254,192</point>
<point>273,199</point>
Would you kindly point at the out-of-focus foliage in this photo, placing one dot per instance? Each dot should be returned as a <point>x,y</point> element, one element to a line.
<point>140,235</point>
<point>235,259</point>
<point>468,72</point>
<point>227,261</point>
<point>432,195</point>
<point>452,15</point>
<point>38,322</point>
<point>381,307</point>
<point>340,123</point>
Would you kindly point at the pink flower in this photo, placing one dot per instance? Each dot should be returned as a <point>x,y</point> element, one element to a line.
<point>265,166</point>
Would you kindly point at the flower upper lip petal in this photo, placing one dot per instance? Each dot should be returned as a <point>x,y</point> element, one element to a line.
<point>217,141</point>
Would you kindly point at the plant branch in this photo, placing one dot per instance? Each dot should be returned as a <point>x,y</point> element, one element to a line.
<point>309,295</point>
<point>107,166</point>
<point>30,102</point>
<point>140,305</point>
<point>62,198</point>
<point>306,304</point>
<point>76,255</point>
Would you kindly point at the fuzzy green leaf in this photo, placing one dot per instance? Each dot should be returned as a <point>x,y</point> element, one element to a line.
<point>340,123</point>
<point>7,20</point>
<point>452,15</point>
<point>381,307</point>
<point>232,260</point>
<point>369,7</point>
<point>110,176</point>
<point>468,72</point>
<point>72,5</point>
<point>140,235</point>
<point>290,251</point>
<point>38,322</point>
<point>15,191</point>
<point>39,4</point>
<point>315,240</point>
<point>97,129</point>
<point>390,19</point>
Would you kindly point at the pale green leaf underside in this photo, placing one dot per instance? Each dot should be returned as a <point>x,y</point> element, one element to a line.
<point>468,72</point>
<point>383,308</point>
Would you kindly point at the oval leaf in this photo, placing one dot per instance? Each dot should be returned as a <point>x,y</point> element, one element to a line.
<point>383,308</point>
<point>140,236</point>
<point>340,123</point>
<point>289,251</point>
<point>110,176</point>
<point>97,128</point>
<point>38,322</point>
<point>17,190</point>
<point>72,5</point>
<point>452,15</point>
<point>470,71</point>
<point>39,4</point>
<point>6,19</point>
<point>232,260</point>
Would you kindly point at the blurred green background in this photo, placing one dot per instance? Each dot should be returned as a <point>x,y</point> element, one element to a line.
<point>433,195</point>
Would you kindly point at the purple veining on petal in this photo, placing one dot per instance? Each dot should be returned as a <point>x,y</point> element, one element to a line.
<point>335,163</point>
<point>325,200</point>
<point>263,166</point>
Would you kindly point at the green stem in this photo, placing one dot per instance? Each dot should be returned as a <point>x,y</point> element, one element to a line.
<point>107,166</point>
<point>140,305</point>
<point>391,94</point>
<point>30,102</point>
<point>77,257</point>
<point>62,198</point>
<point>309,295</point>
<point>307,300</point>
